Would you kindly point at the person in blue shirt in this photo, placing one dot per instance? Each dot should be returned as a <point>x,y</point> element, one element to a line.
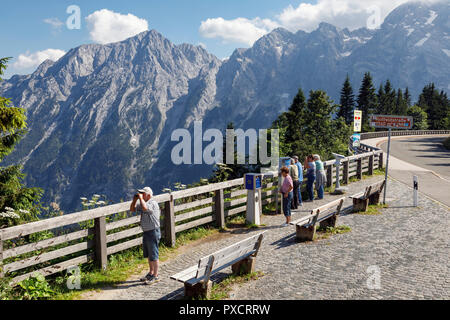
<point>321,177</point>
<point>300,179</point>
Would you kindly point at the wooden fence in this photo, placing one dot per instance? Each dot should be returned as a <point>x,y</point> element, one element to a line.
<point>93,235</point>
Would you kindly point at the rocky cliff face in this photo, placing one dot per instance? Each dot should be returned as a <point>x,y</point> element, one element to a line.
<point>100,118</point>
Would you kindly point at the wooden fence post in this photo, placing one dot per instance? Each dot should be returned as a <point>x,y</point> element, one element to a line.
<point>329,175</point>
<point>219,209</point>
<point>345,174</point>
<point>277,197</point>
<point>101,256</point>
<point>370,165</point>
<point>169,222</point>
<point>380,161</point>
<point>359,168</point>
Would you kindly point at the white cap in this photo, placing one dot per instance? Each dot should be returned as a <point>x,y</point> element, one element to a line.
<point>146,190</point>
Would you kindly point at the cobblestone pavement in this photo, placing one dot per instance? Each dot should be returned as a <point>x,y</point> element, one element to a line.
<point>409,246</point>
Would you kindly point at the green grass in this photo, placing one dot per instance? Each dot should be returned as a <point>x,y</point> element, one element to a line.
<point>239,221</point>
<point>221,290</point>
<point>373,210</point>
<point>325,233</point>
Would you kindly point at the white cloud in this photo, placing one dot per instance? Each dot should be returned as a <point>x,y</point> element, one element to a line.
<point>341,13</point>
<point>54,22</point>
<point>106,26</point>
<point>240,30</point>
<point>350,14</point>
<point>32,60</point>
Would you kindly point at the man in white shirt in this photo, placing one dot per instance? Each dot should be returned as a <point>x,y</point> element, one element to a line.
<point>150,224</point>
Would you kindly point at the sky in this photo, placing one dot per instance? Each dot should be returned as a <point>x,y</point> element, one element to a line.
<point>33,31</point>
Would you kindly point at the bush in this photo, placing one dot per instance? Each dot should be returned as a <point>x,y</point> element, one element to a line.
<point>5,289</point>
<point>35,288</point>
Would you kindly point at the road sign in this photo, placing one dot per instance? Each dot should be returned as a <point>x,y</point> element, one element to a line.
<point>356,138</point>
<point>391,122</point>
<point>357,121</point>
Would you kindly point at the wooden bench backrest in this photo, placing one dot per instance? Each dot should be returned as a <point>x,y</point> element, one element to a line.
<point>317,213</point>
<point>374,188</point>
<point>247,247</point>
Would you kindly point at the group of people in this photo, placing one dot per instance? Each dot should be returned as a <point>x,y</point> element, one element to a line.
<point>293,180</point>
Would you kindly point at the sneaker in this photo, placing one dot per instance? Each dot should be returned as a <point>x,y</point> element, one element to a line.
<point>284,225</point>
<point>300,205</point>
<point>153,280</point>
<point>147,277</point>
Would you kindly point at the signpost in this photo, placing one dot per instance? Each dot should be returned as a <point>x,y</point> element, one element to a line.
<point>416,190</point>
<point>390,122</point>
<point>357,123</point>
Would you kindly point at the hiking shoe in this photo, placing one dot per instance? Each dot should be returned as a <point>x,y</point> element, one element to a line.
<point>153,280</point>
<point>147,277</point>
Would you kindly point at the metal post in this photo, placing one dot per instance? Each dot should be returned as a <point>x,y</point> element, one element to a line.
<point>387,167</point>
<point>416,189</point>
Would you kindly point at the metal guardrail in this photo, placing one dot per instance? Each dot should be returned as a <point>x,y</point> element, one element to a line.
<point>379,134</point>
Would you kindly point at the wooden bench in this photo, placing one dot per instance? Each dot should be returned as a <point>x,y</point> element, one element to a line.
<point>240,256</point>
<point>326,215</point>
<point>370,196</point>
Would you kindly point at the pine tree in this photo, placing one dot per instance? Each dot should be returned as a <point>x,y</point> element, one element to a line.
<point>408,97</point>
<point>347,103</point>
<point>401,106</point>
<point>389,101</point>
<point>381,96</point>
<point>316,130</point>
<point>18,203</point>
<point>437,106</point>
<point>367,101</point>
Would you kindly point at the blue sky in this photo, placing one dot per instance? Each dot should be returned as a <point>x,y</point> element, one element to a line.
<point>221,26</point>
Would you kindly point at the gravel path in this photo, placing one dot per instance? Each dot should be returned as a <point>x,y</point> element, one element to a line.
<point>408,246</point>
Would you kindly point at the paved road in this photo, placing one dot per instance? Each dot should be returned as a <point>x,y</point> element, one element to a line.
<point>426,152</point>
<point>408,246</point>
<point>422,156</point>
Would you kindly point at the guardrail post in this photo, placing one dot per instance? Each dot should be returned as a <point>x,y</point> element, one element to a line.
<point>101,256</point>
<point>329,175</point>
<point>359,168</point>
<point>345,173</point>
<point>219,209</point>
<point>169,222</point>
<point>370,165</point>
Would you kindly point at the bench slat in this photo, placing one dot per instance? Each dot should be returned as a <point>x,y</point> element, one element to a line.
<point>197,280</point>
<point>223,252</point>
<point>329,205</point>
<point>186,274</point>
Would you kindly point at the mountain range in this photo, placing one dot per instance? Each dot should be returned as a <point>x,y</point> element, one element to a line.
<point>100,118</point>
